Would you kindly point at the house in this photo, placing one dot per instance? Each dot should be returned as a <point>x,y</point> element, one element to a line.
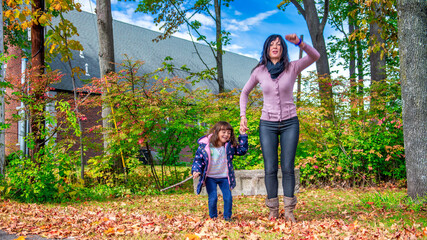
<point>137,44</point>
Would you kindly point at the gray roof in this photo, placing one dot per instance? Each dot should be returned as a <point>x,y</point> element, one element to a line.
<point>136,42</point>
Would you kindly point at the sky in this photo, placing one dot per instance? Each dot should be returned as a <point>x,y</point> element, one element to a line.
<point>249,22</point>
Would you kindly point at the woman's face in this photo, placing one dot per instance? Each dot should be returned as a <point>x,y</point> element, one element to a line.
<point>275,50</point>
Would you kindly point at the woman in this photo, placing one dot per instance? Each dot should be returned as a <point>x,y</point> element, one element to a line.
<point>276,76</point>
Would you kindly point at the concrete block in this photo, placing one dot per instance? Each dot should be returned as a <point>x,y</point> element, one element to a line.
<point>251,182</point>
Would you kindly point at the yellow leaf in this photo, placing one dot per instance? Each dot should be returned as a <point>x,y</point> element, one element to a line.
<point>16,13</point>
<point>42,19</point>
<point>191,237</point>
<point>52,47</point>
<point>21,238</point>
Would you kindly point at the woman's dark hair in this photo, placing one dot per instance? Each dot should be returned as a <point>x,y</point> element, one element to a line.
<point>221,125</point>
<point>266,49</point>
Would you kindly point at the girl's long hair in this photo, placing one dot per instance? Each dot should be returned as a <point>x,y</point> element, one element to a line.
<point>221,125</point>
<point>266,49</point>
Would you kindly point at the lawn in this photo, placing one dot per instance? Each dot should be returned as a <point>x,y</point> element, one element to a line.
<point>359,213</point>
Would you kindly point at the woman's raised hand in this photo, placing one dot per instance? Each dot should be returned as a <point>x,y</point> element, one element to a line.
<point>243,125</point>
<point>293,38</point>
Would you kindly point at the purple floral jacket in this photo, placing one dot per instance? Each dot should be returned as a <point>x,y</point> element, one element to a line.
<point>203,157</point>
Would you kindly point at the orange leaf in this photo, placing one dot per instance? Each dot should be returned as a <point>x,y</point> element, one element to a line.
<point>109,231</point>
<point>21,238</point>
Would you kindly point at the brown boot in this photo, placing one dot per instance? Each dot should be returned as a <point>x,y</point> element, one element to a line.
<point>273,205</point>
<point>290,204</point>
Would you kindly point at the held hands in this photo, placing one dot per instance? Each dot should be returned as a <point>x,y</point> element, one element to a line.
<point>195,175</point>
<point>293,38</point>
<point>243,125</point>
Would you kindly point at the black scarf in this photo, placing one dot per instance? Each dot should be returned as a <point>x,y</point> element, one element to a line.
<point>275,69</point>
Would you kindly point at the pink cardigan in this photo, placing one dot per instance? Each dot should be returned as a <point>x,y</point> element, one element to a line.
<point>278,93</point>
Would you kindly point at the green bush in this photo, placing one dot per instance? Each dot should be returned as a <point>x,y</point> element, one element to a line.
<point>361,144</point>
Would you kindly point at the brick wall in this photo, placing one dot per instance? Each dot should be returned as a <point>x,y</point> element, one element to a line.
<point>93,115</point>
<point>13,70</point>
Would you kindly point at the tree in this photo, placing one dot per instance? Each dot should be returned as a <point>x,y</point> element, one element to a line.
<point>38,66</point>
<point>172,14</point>
<point>377,56</point>
<point>413,71</point>
<point>348,48</point>
<point>19,18</point>
<point>378,29</point>
<point>377,60</point>
<point>316,25</point>
<point>106,61</point>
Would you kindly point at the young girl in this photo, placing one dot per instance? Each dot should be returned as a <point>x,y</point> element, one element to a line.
<point>214,163</point>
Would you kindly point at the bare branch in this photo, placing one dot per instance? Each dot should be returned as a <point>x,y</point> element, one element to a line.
<point>325,16</point>
<point>299,7</point>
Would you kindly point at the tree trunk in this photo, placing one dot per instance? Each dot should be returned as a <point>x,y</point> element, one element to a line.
<point>106,54</point>
<point>37,62</point>
<point>352,66</point>
<point>413,71</point>
<point>2,118</point>
<point>316,28</point>
<point>220,76</point>
<point>360,74</point>
<point>377,63</point>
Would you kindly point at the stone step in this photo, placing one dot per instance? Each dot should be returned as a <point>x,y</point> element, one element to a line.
<point>251,182</point>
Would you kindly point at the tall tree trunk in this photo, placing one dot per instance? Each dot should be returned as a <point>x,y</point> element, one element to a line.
<point>220,75</point>
<point>360,74</point>
<point>2,108</point>
<point>316,27</point>
<point>106,54</point>
<point>352,65</point>
<point>37,62</point>
<point>377,63</point>
<point>413,71</point>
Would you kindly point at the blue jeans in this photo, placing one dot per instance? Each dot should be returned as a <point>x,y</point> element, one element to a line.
<point>269,133</point>
<point>211,184</point>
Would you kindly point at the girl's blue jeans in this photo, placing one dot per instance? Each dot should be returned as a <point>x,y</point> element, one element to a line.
<point>211,186</point>
<point>270,133</point>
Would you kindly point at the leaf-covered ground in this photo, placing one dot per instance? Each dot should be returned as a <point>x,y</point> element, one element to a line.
<point>321,214</point>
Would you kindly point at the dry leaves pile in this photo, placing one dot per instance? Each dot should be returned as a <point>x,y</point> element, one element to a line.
<point>186,217</point>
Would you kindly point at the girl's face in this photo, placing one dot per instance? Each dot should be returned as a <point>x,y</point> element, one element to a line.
<point>275,51</point>
<point>223,136</point>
